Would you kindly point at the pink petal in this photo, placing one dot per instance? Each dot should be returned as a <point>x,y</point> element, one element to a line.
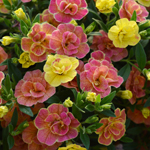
<point>26,43</point>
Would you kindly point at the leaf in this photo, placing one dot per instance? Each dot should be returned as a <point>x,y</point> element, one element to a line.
<point>14,118</point>
<point>5,62</point>
<point>7,83</point>
<point>111,147</point>
<point>36,19</point>
<point>7,4</point>
<point>127,123</point>
<point>126,139</point>
<point>108,113</point>
<point>95,33</point>
<point>10,141</point>
<point>85,139</point>
<point>102,25</point>
<point>133,18</point>
<point>90,28</point>
<point>90,107</point>
<point>10,126</point>
<point>26,110</point>
<point>24,27</point>
<point>108,98</point>
<point>77,114</point>
<point>74,93</point>
<point>125,71</point>
<point>17,50</point>
<point>53,99</point>
<point>140,55</point>
<point>115,11</point>
<point>135,130</point>
<point>78,82</point>
<point>5,133</point>
<point>147,104</point>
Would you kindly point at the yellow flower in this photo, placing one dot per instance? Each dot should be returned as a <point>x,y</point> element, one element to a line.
<point>124,33</point>
<point>105,6</point>
<point>25,60</point>
<point>126,94</point>
<point>148,75</point>
<point>3,111</point>
<point>68,102</point>
<point>73,22</point>
<point>91,96</point>
<point>72,147</point>
<point>60,69</point>
<point>6,40</point>
<point>144,2</point>
<point>145,112</point>
<point>20,14</point>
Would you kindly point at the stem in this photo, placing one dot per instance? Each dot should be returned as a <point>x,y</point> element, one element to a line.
<point>79,108</point>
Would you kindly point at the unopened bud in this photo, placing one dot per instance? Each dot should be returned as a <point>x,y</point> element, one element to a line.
<point>68,102</point>
<point>91,96</point>
<point>3,111</point>
<point>145,112</point>
<point>126,94</point>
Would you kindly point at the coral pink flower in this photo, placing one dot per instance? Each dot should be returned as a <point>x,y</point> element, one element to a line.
<point>3,57</point>
<point>129,6</point>
<point>135,83</point>
<point>66,10</point>
<point>56,124</point>
<point>46,16</point>
<point>2,76</point>
<point>37,42</point>
<point>26,1</point>
<point>99,75</point>
<point>33,89</point>
<point>29,136</point>
<point>104,44</point>
<point>3,9</point>
<point>113,128</point>
<point>69,40</point>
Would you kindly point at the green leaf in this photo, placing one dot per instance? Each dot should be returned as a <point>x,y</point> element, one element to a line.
<point>77,114</point>
<point>140,55</point>
<point>85,139</point>
<point>7,4</point>
<point>90,28</point>
<point>24,27</point>
<point>36,19</point>
<point>126,139</point>
<point>133,18</point>
<point>91,119</point>
<point>78,82</point>
<point>132,107</point>
<point>115,11</point>
<point>111,147</point>
<point>10,126</point>
<point>5,62</point>
<point>90,107</point>
<point>108,113</point>
<point>14,118</point>
<point>102,25</point>
<point>125,71</point>
<point>98,100</point>
<point>147,104</point>
<point>17,50</point>
<point>127,123</point>
<point>144,42</point>
<point>53,99</point>
<point>135,130</point>
<point>7,83</point>
<point>5,133</point>
<point>95,33</point>
<point>108,98</point>
<point>10,141</point>
<point>95,13</point>
<point>74,93</point>
<point>26,110</point>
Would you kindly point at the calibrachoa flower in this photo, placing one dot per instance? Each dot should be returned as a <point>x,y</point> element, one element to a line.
<point>37,42</point>
<point>66,10</point>
<point>3,111</point>
<point>3,9</point>
<point>135,84</point>
<point>113,128</point>
<point>46,16</point>
<point>20,14</point>
<point>69,40</point>
<point>144,2</point>
<point>33,89</point>
<point>124,33</point>
<point>3,57</point>
<point>60,69</point>
<point>29,136</point>
<point>105,6</point>
<point>129,6</point>
<point>72,147</point>
<point>26,1</point>
<point>2,76</point>
<point>104,44</point>
<point>99,75</point>
<point>56,124</point>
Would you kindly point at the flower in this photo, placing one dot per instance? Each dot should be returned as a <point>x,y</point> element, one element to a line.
<point>126,94</point>
<point>129,6</point>
<point>99,75</point>
<point>104,44</point>
<point>105,6</point>
<point>60,69</point>
<point>26,1</point>
<point>37,42</point>
<point>72,147</point>
<point>124,33</point>
<point>148,74</point>
<point>2,76</point>
<point>91,96</point>
<point>144,2</point>
<point>33,89</point>
<point>55,124</point>
<point>25,60</point>
<point>146,112</point>
<point>3,9</point>
<point>3,57</point>
<point>6,40</point>
<point>69,40</point>
<point>20,14</point>
<point>113,128</point>
<point>66,10</point>
<point>46,16</point>
<point>68,102</point>
<point>3,111</point>
<point>135,84</point>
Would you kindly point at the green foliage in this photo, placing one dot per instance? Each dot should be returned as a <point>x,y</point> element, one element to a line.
<point>26,110</point>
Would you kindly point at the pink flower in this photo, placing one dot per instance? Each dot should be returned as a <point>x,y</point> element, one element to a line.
<point>2,76</point>
<point>26,1</point>
<point>104,44</point>
<point>55,124</point>
<point>113,128</point>
<point>33,89</point>
<point>69,40</point>
<point>135,84</point>
<point>46,16</point>
<point>99,75</point>
<point>3,57</point>
<point>129,6</point>
<point>66,10</point>
<point>29,136</point>
<point>37,42</point>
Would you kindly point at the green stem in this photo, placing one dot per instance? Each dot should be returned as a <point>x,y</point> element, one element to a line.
<point>79,108</point>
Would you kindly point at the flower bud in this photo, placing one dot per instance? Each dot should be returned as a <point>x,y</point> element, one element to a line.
<point>144,24</point>
<point>91,96</point>
<point>3,111</point>
<point>68,102</point>
<point>145,112</point>
<point>146,72</point>
<point>106,106</point>
<point>126,94</point>
<point>73,22</point>
<point>6,40</point>
<point>20,14</point>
